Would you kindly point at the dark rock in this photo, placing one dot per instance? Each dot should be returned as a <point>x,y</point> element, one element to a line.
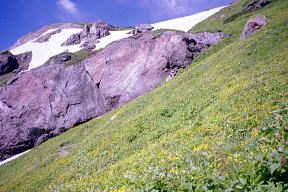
<point>72,40</point>
<point>90,44</point>
<point>131,67</point>
<point>24,60</point>
<point>254,5</point>
<point>96,30</point>
<point>60,59</point>
<point>43,103</point>
<point>8,62</point>
<point>90,34</point>
<point>47,36</point>
<point>253,25</point>
<point>65,58</point>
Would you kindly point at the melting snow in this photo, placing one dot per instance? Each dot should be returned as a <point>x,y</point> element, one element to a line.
<point>186,23</point>
<point>41,52</point>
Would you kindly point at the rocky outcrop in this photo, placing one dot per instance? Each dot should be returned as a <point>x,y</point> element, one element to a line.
<point>72,40</point>
<point>47,36</point>
<point>142,28</point>
<point>8,62</point>
<point>43,103</point>
<point>46,101</point>
<point>23,60</point>
<point>131,67</point>
<point>96,30</point>
<point>255,5</point>
<point>253,25</point>
<point>14,63</point>
<point>40,32</point>
<point>90,34</point>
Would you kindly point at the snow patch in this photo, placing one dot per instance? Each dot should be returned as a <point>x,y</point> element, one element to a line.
<point>186,23</point>
<point>41,52</point>
<point>14,157</point>
<point>115,36</point>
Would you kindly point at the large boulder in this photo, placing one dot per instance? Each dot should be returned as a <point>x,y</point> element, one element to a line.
<point>8,62</point>
<point>96,30</point>
<point>74,39</point>
<point>90,34</point>
<point>43,103</point>
<point>142,28</point>
<point>47,36</point>
<point>253,25</point>
<point>254,5</point>
<point>131,67</point>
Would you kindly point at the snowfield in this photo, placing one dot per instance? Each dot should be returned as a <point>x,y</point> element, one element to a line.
<point>41,52</point>
<point>186,23</point>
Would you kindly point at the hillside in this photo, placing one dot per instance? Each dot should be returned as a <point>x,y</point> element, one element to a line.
<point>219,125</point>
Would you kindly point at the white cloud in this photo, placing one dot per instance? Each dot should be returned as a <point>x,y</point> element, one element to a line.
<point>68,6</point>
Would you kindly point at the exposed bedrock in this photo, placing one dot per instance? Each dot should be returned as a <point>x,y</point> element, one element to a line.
<point>131,67</point>
<point>43,103</point>
<point>47,101</point>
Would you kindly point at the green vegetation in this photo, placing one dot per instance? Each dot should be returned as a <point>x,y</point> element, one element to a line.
<point>3,82</point>
<point>5,78</point>
<point>159,32</point>
<point>222,125</point>
<point>76,57</point>
<point>122,28</point>
<point>79,56</point>
<point>83,24</point>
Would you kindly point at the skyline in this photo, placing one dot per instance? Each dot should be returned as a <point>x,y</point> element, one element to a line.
<point>19,17</point>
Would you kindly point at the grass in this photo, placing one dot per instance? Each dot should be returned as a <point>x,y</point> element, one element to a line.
<point>3,82</point>
<point>122,28</point>
<point>159,32</point>
<point>77,56</point>
<point>219,126</point>
<point>80,56</point>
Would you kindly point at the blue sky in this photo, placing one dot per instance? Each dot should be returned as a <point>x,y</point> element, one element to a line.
<point>19,17</point>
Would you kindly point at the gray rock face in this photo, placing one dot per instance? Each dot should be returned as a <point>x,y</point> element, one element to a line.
<point>8,62</point>
<point>254,5</point>
<point>142,28</point>
<point>47,101</point>
<point>96,30</point>
<point>23,60</point>
<point>47,36</point>
<point>253,25</point>
<point>131,67</point>
<point>43,103</point>
<point>72,40</point>
<point>90,34</point>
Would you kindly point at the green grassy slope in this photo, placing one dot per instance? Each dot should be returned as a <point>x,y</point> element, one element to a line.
<point>220,125</point>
